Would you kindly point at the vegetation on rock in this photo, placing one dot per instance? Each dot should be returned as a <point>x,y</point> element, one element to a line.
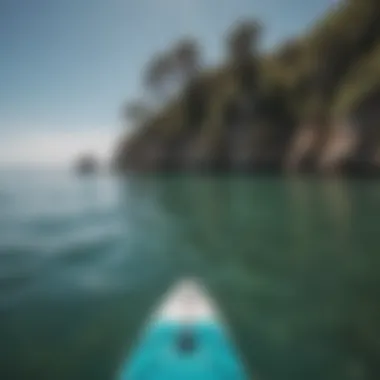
<point>311,103</point>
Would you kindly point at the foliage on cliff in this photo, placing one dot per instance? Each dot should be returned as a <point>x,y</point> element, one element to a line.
<point>325,75</point>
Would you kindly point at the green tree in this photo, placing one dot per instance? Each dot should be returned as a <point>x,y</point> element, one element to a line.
<point>243,39</point>
<point>242,46</point>
<point>136,112</point>
<point>186,56</point>
<point>158,75</point>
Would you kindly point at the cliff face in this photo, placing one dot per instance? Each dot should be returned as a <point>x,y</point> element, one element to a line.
<point>312,105</point>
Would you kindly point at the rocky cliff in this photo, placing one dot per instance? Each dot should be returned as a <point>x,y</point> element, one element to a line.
<point>313,104</point>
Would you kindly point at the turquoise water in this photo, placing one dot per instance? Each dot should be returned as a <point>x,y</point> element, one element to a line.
<point>293,264</point>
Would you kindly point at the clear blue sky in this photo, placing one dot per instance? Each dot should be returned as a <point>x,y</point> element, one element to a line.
<point>66,66</point>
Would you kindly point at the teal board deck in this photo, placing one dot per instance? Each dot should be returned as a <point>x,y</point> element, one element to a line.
<point>158,357</point>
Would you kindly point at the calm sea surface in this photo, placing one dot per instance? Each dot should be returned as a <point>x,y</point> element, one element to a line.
<point>294,265</point>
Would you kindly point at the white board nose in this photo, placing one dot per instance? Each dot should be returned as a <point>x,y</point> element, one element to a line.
<point>187,302</point>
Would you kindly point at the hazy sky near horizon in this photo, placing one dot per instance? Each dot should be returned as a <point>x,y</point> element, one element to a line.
<point>66,66</point>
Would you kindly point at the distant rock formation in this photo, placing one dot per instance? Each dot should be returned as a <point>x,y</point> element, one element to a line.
<point>86,164</point>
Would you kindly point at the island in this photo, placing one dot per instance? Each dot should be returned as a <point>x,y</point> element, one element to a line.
<point>86,164</point>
